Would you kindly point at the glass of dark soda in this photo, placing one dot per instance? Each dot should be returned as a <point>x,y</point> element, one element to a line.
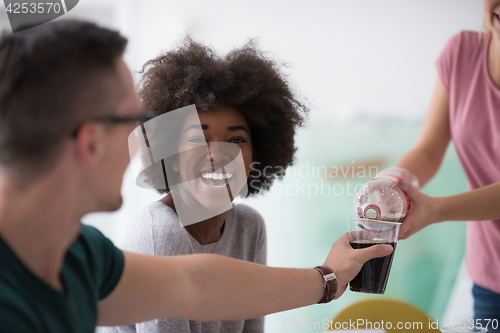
<point>375,272</point>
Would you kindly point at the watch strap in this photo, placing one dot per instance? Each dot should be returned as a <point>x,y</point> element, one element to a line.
<point>330,283</point>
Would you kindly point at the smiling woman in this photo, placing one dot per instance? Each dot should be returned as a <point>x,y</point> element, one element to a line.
<point>236,142</point>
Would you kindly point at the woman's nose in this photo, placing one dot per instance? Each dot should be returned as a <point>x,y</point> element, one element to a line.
<point>217,153</point>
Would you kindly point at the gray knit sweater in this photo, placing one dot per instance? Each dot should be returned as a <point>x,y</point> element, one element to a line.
<point>158,231</point>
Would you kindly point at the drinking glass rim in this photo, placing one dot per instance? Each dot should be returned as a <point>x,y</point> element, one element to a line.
<point>373,221</point>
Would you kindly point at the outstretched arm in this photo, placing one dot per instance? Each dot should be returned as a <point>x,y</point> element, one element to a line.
<point>210,287</point>
<point>424,161</point>
<point>475,205</point>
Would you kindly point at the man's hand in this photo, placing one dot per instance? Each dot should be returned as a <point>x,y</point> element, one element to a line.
<point>346,262</point>
<point>424,211</point>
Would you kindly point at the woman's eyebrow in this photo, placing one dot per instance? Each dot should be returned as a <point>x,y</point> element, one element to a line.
<point>196,126</point>
<point>205,127</point>
<point>236,128</point>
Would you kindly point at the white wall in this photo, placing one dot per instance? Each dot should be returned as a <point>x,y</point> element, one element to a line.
<point>344,55</point>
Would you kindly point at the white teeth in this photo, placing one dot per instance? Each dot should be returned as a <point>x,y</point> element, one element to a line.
<point>218,186</point>
<point>216,175</point>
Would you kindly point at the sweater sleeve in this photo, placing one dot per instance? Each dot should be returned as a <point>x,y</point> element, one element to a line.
<point>256,325</point>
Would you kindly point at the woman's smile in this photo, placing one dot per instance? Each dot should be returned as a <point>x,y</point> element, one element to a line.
<point>217,179</point>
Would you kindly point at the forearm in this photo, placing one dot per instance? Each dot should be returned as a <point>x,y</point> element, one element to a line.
<point>205,287</point>
<point>475,205</point>
<point>421,163</point>
<point>266,290</point>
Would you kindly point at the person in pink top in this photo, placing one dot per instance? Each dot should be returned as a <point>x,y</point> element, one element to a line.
<point>465,108</point>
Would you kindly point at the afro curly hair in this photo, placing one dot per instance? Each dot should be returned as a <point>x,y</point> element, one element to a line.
<point>243,79</point>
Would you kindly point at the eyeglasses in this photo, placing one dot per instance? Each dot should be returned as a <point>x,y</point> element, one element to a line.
<point>117,120</point>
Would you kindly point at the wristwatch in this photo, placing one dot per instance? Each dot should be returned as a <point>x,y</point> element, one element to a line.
<point>330,284</point>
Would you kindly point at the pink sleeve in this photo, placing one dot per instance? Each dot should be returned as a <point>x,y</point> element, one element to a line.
<point>446,60</point>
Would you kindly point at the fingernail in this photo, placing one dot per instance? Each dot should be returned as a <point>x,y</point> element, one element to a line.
<point>400,182</point>
<point>388,248</point>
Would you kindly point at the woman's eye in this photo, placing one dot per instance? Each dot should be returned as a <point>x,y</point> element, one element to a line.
<point>197,140</point>
<point>237,140</point>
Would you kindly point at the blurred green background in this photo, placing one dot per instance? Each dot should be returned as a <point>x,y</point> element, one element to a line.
<point>301,230</point>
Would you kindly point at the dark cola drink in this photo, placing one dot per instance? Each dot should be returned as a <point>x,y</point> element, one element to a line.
<point>375,272</point>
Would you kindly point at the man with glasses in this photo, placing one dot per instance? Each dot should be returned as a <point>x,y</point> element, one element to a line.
<point>67,106</point>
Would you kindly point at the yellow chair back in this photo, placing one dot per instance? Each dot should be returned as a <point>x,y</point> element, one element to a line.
<point>385,314</point>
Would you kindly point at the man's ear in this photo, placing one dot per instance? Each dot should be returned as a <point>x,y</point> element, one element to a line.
<point>89,145</point>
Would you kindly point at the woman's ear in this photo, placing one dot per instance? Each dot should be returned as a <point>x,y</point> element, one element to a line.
<point>175,165</point>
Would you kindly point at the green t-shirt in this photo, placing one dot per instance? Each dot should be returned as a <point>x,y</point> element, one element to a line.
<point>91,270</point>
